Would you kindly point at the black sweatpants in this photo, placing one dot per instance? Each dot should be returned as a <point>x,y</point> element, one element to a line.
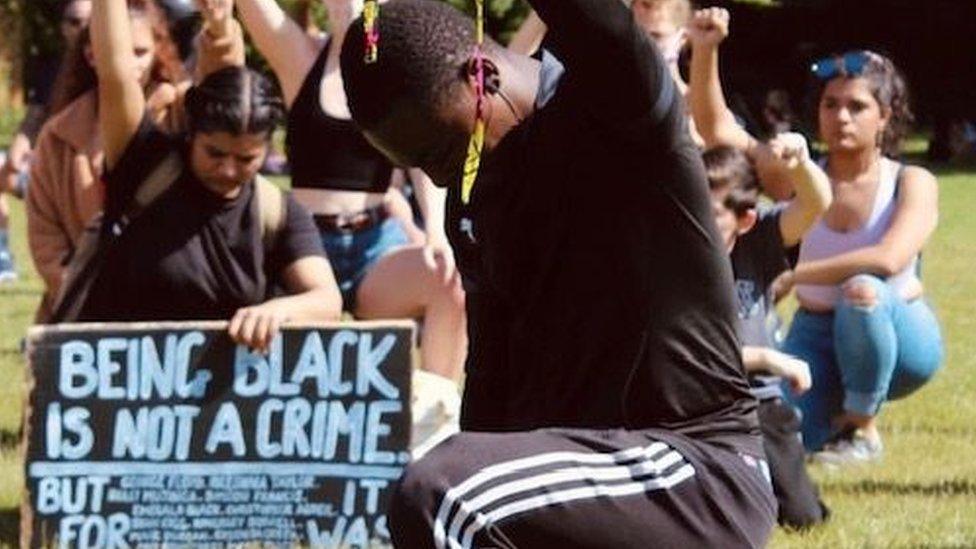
<point>799,501</point>
<point>571,488</point>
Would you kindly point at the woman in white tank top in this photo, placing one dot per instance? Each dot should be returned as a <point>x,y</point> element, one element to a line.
<point>863,326</point>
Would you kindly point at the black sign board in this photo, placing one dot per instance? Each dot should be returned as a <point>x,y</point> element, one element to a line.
<point>169,435</point>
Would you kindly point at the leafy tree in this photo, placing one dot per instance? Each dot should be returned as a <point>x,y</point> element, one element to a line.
<point>503,17</point>
<point>30,26</point>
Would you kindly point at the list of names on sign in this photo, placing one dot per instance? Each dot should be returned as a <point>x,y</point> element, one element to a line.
<point>171,436</point>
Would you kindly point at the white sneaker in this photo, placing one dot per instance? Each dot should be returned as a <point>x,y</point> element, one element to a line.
<point>850,447</point>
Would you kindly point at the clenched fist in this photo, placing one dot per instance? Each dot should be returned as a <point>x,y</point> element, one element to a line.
<point>709,27</point>
<point>215,11</point>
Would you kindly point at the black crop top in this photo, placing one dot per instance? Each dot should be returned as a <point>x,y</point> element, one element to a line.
<point>327,152</point>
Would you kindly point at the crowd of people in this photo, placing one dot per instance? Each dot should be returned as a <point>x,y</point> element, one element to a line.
<point>607,282</point>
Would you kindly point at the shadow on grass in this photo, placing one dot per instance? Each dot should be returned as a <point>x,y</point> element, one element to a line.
<point>10,527</point>
<point>945,488</point>
<point>20,291</point>
<point>941,546</point>
<point>967,432</point>
<point>10,352</point>
<point>9,440</point>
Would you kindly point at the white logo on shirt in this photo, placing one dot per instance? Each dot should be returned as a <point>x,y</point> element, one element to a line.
<point>467,227</point>
<point>749,304</point>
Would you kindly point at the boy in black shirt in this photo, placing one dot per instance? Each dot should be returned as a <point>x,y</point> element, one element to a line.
<point>600,307</point>
<point>761,242</point>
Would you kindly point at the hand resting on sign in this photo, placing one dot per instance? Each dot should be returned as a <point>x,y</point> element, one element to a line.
<point>312,282</point>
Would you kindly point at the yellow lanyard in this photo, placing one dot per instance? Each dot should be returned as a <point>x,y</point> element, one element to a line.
<point>371,12</point>
<point>472,163</point>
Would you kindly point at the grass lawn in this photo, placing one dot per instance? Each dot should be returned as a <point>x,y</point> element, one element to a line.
<point>923,494</point>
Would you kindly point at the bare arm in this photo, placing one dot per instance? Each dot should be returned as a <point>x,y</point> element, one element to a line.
<point>433,202</point>
<point>315,297</point>
<point>217,17</point>
<point>812,186</point>
<point>401,210</point>
<point>220,42</point>
<point>528,38</point>
<point>120,97</point>
<point>307,278</point>
<point>914,222</point>
<point>713,118</point>
<point>18,156</point>
<point>19,151</point>
<point>792,369</point>
<point>289,50</point>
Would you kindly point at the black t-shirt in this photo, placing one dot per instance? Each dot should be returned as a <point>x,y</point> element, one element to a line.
<point>191,255</point>
<point>599,293</point>
<point>758,258</point>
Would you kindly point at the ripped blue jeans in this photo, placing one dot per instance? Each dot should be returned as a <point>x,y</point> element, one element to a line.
<point>861,357</point>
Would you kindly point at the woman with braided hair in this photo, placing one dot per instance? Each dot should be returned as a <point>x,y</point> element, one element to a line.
<point>199,249</point>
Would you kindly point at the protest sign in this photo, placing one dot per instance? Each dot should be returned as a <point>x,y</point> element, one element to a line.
<point>155,435</point>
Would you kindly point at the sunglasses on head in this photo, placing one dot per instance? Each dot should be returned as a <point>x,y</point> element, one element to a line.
<point>849,64</point>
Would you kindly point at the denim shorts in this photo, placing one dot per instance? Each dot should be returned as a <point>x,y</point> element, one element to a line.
<point>353,254</point>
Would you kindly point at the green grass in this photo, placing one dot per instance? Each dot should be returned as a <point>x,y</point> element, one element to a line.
<point>923,494</point>
<point>17,304</point>
<point>9,121</point>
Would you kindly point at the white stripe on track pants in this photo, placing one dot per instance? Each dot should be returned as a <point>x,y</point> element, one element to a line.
<point>570,488</point>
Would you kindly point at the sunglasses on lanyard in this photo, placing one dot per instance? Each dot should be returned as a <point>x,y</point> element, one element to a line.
<point>849,64</point>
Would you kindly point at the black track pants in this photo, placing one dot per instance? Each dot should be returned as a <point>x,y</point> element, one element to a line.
<point>571,488</point>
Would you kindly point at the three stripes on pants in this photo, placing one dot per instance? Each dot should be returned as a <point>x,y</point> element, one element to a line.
<point>512,488</point>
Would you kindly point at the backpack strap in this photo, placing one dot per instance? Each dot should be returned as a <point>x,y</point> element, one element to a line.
<point>272,209</point>
<point>156,183</point>
<point>89,253</point>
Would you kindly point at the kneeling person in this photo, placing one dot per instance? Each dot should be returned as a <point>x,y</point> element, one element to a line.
<point>198,250</point>
<point>760,240</point>
<point>605,401</point>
